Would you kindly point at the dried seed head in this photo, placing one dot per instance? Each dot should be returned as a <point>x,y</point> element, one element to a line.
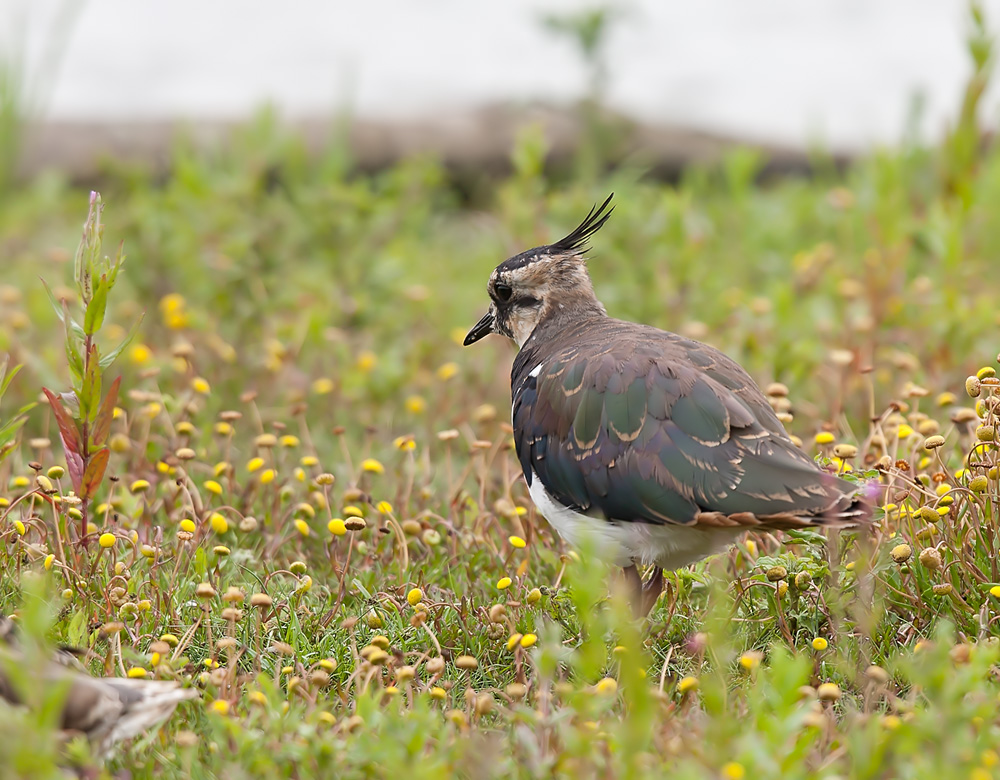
<point>776,573</point>
<point>261,600</point>
<point>497,613</point>
<point>404,674</point>
<point>979,484</point>
<point>355,523</point>
<point>516,691</point>
<point>248,524</point>
<point>233,595</point>
<point>828,692</point>
<point>930,558</point>
<point>266,441</point>
<point>943,589</point>
<point>803,580</point>
<point>964,415</point>
<point>185,453</point>
<point>484,704</point>
<point>901,553</point>
<point>232,614</point>
<point>986,433</point>
<point>205,590</point>
<point>973,386</point>
<point>961,653</point>
<point>466,662</point>
<point>877,674</point>
<point>326,478</point>
<point>928,514</point>
<point>434,665</point>
<point>776,390</point>
<point>933,442</point>
<point>845,451</point>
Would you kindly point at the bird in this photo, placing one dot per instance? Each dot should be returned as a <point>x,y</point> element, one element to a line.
<point>660,448</point>
<point>107,710</point>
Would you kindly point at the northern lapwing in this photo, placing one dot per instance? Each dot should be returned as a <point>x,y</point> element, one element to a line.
<point>106,710</point>
<point>660,447</point>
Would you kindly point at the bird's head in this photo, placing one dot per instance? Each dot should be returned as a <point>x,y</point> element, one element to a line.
<point>526,288</point>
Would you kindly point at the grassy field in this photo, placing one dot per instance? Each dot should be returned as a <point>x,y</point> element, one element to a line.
<point>311,509</point>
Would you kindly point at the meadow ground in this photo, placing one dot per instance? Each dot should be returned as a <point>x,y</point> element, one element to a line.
<point>311,511</point>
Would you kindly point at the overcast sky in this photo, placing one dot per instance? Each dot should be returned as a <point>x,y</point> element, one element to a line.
<point>839,71</point>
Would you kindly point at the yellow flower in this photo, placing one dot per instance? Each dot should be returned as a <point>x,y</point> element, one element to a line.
<point>516,541</point>
<point>607,687</point>
<point>302,526</point>
<point>687,684</point>
<point>367,361</point>
<point>220,706</point>
<point>905,431</point>
<point>139,486</point>
<point>503,583</point>
<point>309,461</point>
<point>824,437</point>
<point>995,591</point>
<point>819,643</point>
<point>384,507</point>
<point>254,464</point>
<point>289,441</point>
<point>200,386</point>
<point>438,693</point>
<point>336,527</point>
<point>528,640</point>
<point>414,597</point>
<point>750,661</point>
<point>107,540</point>
<point>223,428</point>
<point>322,386</point>
<point>372,466</point>
<point>213,487</point>
<point>353,511</point>
<point>447,371</point>
<point>187,524</point>
<point>404,443</point>
<point>415,404</point>
<point>136,672</point>
<point>733,771</point>
<point>218,522</point>
<point>49,560</point>
<point>139,354</point>
<point>514,640</point>
<point>267,476</point>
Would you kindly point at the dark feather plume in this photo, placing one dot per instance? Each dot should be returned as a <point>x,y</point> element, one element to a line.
<point>577,240</point>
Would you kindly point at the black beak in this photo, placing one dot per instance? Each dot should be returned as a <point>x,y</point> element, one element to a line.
<point>482,328</point>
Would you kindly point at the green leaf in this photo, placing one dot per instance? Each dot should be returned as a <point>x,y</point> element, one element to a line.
<point>93,318</point>
<point>108,359</point>
<point>61,314</point>
<point>5,378</point>
<point>91,395</point>
<point>77,631</point>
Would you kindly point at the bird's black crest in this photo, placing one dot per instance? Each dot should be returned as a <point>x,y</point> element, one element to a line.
<point>577,240</point>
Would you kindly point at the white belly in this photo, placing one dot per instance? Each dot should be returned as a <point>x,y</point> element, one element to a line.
<point>668,546</point>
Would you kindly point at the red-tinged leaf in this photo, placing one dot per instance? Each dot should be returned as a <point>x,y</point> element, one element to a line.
<point>102,425</point>
<point>95,473</point>
<point>67,425</point>
<point>74,464</point>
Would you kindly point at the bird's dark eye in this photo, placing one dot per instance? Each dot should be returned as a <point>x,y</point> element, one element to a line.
<point>503,292</point>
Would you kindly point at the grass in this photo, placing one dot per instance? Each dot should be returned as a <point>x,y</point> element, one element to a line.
<point>298,367</point>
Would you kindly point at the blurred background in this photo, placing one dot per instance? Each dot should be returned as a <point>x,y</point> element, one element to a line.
<point>112,76</point>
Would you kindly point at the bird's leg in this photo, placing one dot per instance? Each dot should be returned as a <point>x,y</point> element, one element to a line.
<point>643,595</point>
<point>651,590</point>
<point>633,581</point>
